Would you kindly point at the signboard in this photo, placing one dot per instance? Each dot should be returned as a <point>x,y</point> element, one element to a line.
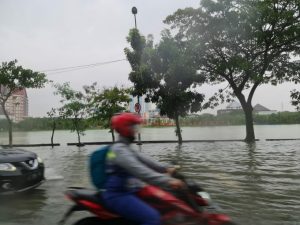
<point>137,107</point>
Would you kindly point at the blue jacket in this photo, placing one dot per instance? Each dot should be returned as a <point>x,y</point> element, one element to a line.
<point>127,169</point>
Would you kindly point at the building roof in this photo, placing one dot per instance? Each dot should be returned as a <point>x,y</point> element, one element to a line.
<point>234,105</point>
<point>260,108</point>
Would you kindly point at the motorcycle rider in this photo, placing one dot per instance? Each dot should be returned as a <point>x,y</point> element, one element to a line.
<point>127,169</point>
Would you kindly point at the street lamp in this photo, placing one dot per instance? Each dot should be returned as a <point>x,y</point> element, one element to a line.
<point>138,106</point>
<point>134,12</point>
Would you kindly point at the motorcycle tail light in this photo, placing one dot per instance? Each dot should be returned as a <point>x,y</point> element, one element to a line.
<point>201,201</point>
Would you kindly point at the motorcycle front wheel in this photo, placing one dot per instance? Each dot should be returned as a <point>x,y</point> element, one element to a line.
<point>97,221</point>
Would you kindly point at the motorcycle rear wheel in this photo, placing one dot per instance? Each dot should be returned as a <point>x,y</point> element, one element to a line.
<point>97,221</point>
<point>88,221</point>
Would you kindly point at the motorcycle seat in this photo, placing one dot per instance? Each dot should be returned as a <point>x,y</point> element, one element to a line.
<point>85,194</point>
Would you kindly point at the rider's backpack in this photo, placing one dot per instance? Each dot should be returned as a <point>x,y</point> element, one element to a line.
<point>98,167</point>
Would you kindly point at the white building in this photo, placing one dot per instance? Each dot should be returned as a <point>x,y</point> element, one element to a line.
<point>236,107</point>
<point>146,107</point>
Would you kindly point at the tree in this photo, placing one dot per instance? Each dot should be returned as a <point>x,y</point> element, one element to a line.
<point>74,108</point>
<point>103,104</point>
<point>53,114</point>
<point>12,79</point>
<point>175,93</point>
<point>141,75</point>
<point>245,43</point>
<point>295,95</point>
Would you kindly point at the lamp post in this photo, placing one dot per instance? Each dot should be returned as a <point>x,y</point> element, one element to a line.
<point>134,12</point>
<point>138,106</point>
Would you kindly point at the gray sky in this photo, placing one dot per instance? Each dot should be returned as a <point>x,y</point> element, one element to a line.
<point>49,34</point>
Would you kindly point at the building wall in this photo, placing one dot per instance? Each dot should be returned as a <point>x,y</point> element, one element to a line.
<point>145,106</point>
<point>227,111</point>
<point>267,112</point>
<point>150,113</point>
<point>17,106</point>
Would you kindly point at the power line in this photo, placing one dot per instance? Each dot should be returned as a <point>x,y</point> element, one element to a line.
<point>73,68</point>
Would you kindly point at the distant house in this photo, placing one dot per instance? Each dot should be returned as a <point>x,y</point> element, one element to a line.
<point>230,108</point>
<point>262,110</point>
<point>236,107</point>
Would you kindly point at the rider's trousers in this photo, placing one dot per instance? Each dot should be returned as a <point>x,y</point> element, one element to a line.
<point>131,207</point>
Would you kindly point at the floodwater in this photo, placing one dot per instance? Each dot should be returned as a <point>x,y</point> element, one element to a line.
<point>255,184</point>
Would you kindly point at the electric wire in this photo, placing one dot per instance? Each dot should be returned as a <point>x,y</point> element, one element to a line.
<point>80,67</point>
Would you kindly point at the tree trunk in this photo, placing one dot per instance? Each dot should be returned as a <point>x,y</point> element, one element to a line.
<point>112,135</point>
<point>247,108</point>
<point>178,130</point>
<point>53,130</point>
<point>10,133</point>
<point>250,136</point>
<point>77,131</point>
<point>78,138</point>
<point>10,137</point>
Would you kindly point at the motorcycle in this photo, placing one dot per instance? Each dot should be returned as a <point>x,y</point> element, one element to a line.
<point>191,206</point>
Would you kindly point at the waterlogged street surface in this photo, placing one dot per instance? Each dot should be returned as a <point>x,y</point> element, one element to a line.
<point>255,184</point>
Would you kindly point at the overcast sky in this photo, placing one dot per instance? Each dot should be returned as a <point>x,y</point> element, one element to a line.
<point>50,34</point>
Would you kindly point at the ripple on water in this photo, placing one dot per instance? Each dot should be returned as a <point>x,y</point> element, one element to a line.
<point>254,184</point>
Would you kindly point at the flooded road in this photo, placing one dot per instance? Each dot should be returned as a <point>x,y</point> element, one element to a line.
<point>255,184</point>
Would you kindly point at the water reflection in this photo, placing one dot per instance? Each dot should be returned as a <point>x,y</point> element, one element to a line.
<point>174,157</point>
<point>253,176</point>
<point>20,207</point>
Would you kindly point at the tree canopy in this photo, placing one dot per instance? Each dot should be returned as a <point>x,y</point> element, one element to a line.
<point>103,104</point>
<point>74,107</point>
<point>165,75</point>
<point>141,75</point>
<point>14,78</point>
<point>177,79</point>
<point>295,94</point>
<point>245,43</point>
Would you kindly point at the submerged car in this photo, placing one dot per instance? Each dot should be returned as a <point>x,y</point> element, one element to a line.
<point>20,171</point>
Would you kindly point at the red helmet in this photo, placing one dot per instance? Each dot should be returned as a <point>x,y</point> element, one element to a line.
<point>123,123</point>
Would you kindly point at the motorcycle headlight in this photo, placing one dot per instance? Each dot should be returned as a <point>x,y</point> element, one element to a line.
<point>7,167</point>
<point>40,160</point>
